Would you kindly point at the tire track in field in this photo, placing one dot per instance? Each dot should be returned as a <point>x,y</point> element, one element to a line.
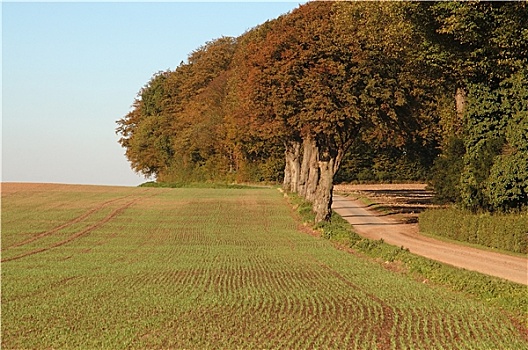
<point>79,234</point>
<point>65,225</point>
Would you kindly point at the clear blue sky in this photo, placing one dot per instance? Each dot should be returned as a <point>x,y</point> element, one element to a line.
<point>70,70</point>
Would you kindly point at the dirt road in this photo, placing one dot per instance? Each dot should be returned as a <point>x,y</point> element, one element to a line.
<point>371,225</point>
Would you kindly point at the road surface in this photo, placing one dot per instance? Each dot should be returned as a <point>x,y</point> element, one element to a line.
<point>371,225</point>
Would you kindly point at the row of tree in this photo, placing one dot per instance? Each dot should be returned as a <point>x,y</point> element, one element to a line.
<point>295,98</point>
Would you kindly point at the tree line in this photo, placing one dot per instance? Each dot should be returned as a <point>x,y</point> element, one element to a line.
<point>319,93</point>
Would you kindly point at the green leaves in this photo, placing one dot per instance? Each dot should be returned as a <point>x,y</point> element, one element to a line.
<point>480,46</point>
<point>507,184</point>
<point>495,174</point>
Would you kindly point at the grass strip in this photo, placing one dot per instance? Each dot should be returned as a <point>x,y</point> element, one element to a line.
<point>509,296</point>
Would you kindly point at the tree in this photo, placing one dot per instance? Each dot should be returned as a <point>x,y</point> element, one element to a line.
<point>506,187</point>
<point>145,131</point>
<point>483,46</point>
<point>257,143</point>
<point>175,128</point>
<point>311,84</point>
<point>322,79</point>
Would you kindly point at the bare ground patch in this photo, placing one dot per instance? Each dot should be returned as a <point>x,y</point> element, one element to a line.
<point>402,202</point>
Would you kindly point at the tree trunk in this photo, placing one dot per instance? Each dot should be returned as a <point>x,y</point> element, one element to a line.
<point>313,175</point>
<point>460,103</point>
<point>307,166</point>
<point>323,201</point>
<point>286,184</point>
<point>322,204</point>
<point>292,167</point>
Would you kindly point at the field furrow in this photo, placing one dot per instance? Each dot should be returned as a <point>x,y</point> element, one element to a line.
<point>216,269</point>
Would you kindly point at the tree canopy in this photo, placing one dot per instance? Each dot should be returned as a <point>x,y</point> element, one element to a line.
<point>483,46</point>
<point>341,90</point>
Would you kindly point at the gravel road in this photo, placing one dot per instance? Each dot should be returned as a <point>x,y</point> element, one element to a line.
<point>371,225</point>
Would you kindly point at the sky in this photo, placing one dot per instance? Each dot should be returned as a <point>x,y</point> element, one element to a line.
<point>71,69</point>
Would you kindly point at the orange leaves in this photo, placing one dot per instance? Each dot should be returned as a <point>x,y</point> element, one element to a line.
<point>327,70</point>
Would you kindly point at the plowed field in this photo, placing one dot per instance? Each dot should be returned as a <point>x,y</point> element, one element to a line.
<point>134,268</point>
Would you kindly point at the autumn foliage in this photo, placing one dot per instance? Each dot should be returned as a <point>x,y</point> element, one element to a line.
<point>295,98</point>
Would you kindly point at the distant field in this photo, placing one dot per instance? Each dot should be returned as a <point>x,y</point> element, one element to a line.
<point>149,268</point>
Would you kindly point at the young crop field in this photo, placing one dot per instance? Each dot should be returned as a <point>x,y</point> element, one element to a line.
<point>150,268</point>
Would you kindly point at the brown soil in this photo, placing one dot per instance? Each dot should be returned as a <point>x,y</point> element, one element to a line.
<point>402,202</point>
<point>10,188</point>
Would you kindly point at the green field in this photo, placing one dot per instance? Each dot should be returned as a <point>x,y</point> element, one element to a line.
<point>149,268</point>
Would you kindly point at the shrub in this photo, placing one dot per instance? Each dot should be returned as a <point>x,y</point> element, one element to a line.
<point>502,231</point>
<point>446,172</point>
<point>507,186</point>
